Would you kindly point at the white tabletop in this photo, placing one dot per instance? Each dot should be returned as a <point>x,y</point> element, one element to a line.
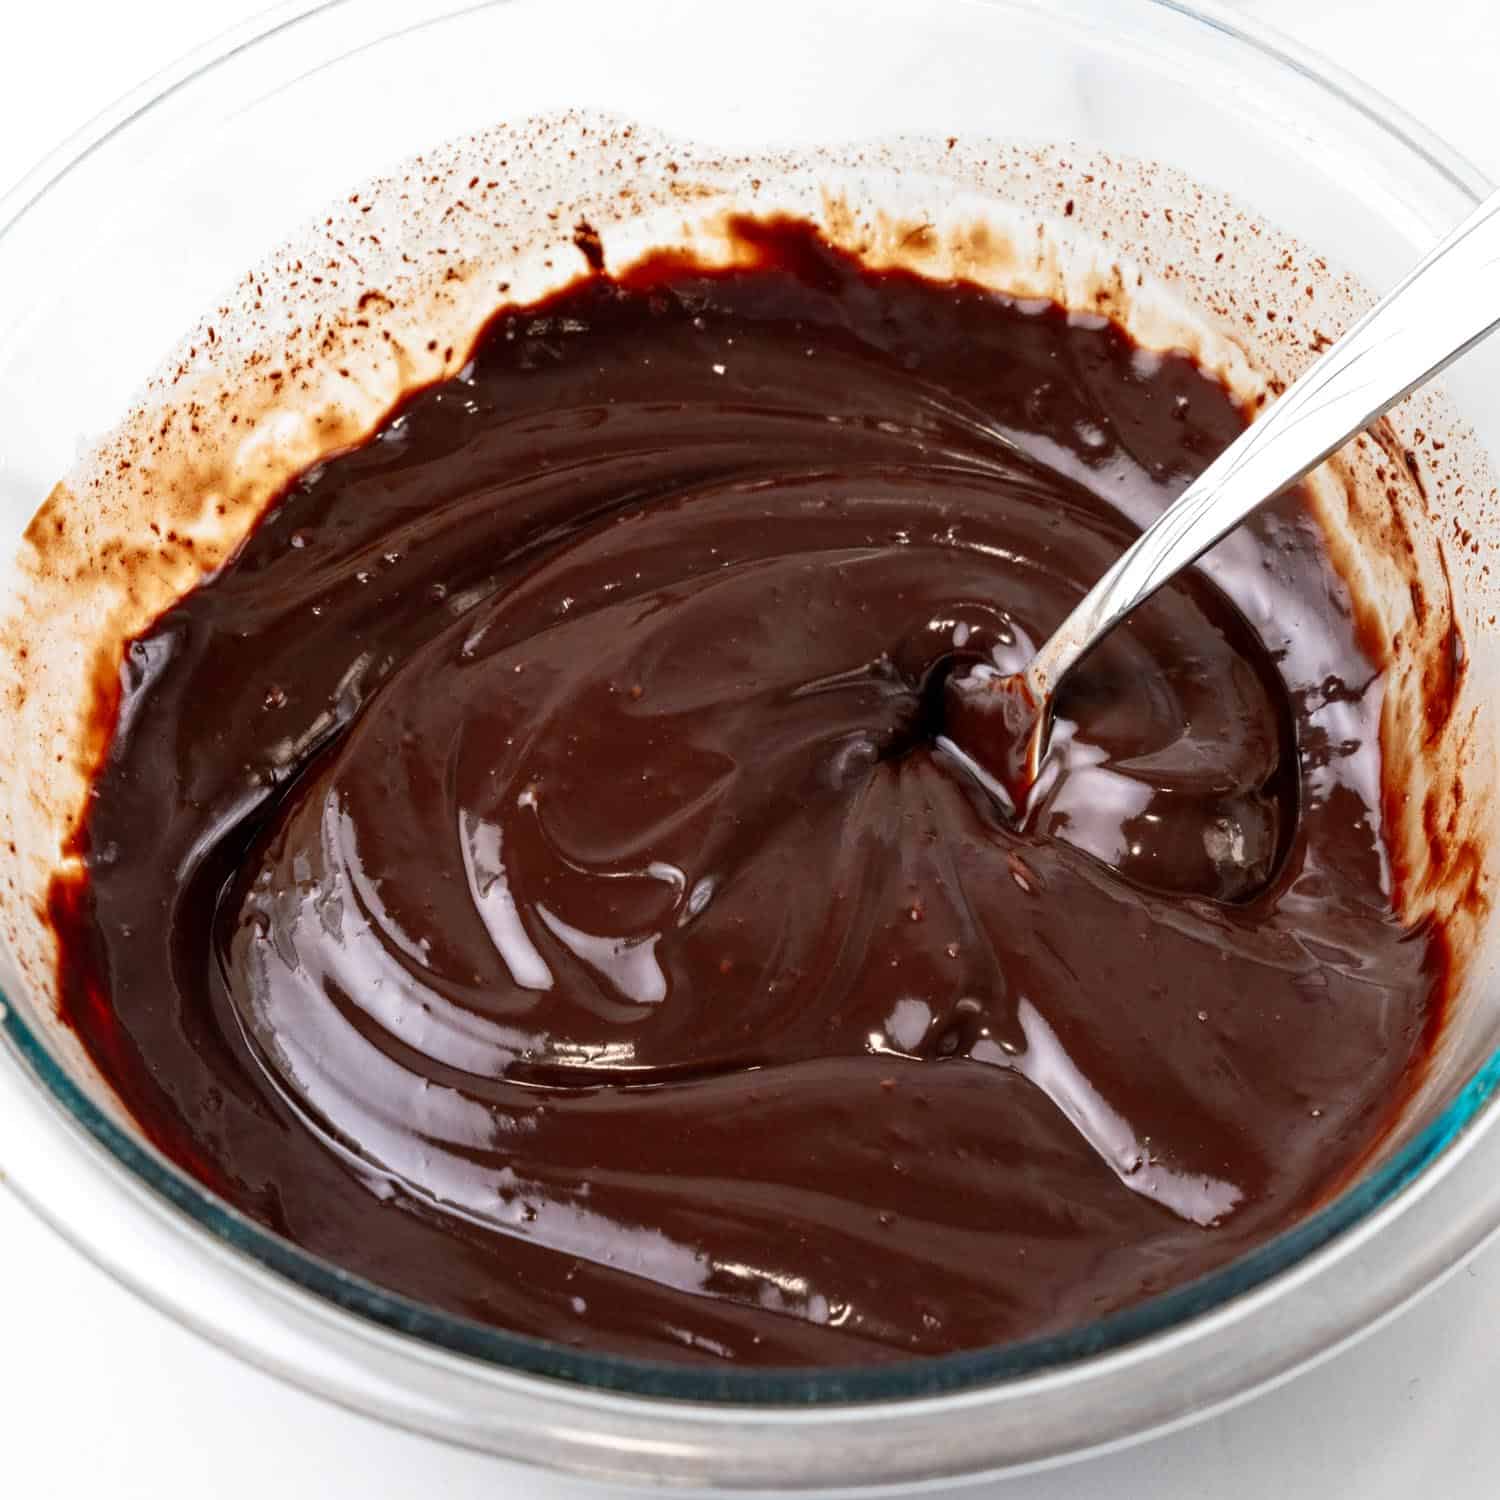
<point>100,1395</point>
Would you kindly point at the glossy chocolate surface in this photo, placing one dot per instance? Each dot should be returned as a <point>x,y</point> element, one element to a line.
<point>552,872</point>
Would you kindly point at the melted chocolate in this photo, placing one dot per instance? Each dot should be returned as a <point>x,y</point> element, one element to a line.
<point>551,870</point>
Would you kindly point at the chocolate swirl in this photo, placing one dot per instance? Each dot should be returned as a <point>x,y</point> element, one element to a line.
<point>562,883</point>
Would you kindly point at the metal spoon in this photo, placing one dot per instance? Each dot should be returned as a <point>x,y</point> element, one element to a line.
<point>1444,306</point>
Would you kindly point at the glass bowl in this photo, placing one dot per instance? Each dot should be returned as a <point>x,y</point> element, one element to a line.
<point>116,243</point>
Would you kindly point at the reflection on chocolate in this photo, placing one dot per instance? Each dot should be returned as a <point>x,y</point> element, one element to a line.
<point>554,870</point>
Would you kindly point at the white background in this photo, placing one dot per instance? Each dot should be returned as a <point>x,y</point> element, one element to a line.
<point>100,1396</point>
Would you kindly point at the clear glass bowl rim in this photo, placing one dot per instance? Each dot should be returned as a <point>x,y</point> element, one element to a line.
<point>902,1381</point>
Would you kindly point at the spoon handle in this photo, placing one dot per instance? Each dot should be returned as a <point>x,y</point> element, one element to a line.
<point>1446,304</point>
